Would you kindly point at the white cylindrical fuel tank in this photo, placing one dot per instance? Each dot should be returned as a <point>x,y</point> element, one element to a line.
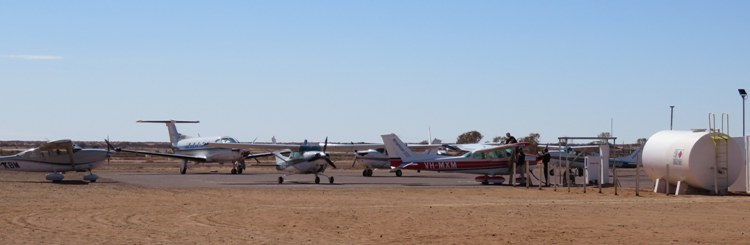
<point>691,156</point>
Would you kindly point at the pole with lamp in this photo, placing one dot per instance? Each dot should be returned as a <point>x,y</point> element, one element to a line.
<point>743,94</point>
<point>671,116</point>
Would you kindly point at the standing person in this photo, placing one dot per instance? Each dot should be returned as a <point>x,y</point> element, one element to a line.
<point>521,160</point>
<point>545,160</point>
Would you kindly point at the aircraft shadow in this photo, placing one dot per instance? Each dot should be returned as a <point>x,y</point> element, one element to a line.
<point>63,182</point>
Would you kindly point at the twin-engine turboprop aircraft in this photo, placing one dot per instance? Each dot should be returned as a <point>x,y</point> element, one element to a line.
<point>306,159</point>
<point>195,149</point>
<point>56,157</point>
<point>489,161</point>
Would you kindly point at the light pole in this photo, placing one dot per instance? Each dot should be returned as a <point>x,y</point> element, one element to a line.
<point>744,138</point>
<point>671,116</point>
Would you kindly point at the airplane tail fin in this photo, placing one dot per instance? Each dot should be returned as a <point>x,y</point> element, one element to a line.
<point>281,160</point>
<point>174,136</point>
<point>633,157</point>
<point>396,148</point>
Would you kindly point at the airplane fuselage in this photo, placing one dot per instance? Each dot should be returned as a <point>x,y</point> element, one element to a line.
<point>306,163</point>
<point>196,147</point>
<point>460,164</point>
<point>46,161</point>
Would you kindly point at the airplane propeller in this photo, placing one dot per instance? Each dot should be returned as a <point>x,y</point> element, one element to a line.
<point>109,148</point>
<point>355,158</point>
<point>325,156</point>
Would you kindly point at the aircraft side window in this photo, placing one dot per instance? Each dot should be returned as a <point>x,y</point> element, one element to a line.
<point>479,155</point>
<point>492,155</point>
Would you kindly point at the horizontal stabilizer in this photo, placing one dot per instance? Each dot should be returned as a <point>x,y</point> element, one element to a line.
<point>402,166</point>
<point>166,121</point>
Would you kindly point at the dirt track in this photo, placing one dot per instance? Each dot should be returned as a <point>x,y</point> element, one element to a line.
<point>34,211</point>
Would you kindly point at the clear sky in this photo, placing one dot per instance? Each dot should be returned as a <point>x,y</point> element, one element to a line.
<point>353,70</point>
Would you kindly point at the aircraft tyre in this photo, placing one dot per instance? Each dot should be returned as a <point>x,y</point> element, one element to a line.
<point>281,179</point>
<point>317,180</point>
<point>367,172</point>
<point>330,180</point>
<point>239,170</point>
<point>580,172</point>
<point>399,173</point>
<point>183,168</point>
<point>91,177</point>
<point>234,171</point>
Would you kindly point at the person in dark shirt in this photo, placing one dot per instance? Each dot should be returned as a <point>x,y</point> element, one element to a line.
<point>509,139</point>
<point>545,160</point>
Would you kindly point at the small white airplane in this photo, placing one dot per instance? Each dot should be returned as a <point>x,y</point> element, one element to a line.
<point>57,157</point>
<point>488,160</point>
<point>306,159</point>
<point>195,149</point>
<point>377,158</point>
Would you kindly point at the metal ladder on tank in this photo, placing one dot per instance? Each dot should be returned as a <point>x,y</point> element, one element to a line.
<point>721,148</point>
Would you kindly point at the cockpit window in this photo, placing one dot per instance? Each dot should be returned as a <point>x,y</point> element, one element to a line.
<point>227,140</point>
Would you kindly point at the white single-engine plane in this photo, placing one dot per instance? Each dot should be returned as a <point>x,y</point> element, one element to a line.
<point>56,157</point>
<point>195,149</point>
<point>306,159</point>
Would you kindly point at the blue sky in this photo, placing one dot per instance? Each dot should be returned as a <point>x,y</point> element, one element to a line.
<point>353,70</point>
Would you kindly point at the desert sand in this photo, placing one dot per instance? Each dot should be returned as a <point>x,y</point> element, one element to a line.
<point>34,211</point>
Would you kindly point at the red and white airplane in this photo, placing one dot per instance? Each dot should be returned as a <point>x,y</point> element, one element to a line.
<point>490,161</point>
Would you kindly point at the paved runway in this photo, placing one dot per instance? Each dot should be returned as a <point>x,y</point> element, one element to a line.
<point>342,178</point>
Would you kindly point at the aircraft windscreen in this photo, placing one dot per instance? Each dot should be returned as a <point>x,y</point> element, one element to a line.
<point>227,140</point>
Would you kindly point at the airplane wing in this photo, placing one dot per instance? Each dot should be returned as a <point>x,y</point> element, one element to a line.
<point>499,147</point>
<point>421,147</point>
<point>259,155</point>
<point>66,145</point>
<point>351,147</point>
<point>183,157</point>
<point>255,147</point>
<point>277,147</point>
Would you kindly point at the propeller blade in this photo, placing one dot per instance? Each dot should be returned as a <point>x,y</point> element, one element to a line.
<point>325,145</point>
<point>329,161</point>
<point>355,160</point>
<point>109,148</point>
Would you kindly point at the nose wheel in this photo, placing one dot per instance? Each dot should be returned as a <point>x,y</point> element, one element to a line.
<point>330,180</point>
<point>399,173</point>
<point>281,179</point>
<point>317,180</point>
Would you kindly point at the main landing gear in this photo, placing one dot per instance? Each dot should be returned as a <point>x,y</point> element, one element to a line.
<point>399,173</point>
<point>91,177</point>
<point>183,167</point>
<point>367,172</point>
<point>238,168</point>
<point>317,179</point>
